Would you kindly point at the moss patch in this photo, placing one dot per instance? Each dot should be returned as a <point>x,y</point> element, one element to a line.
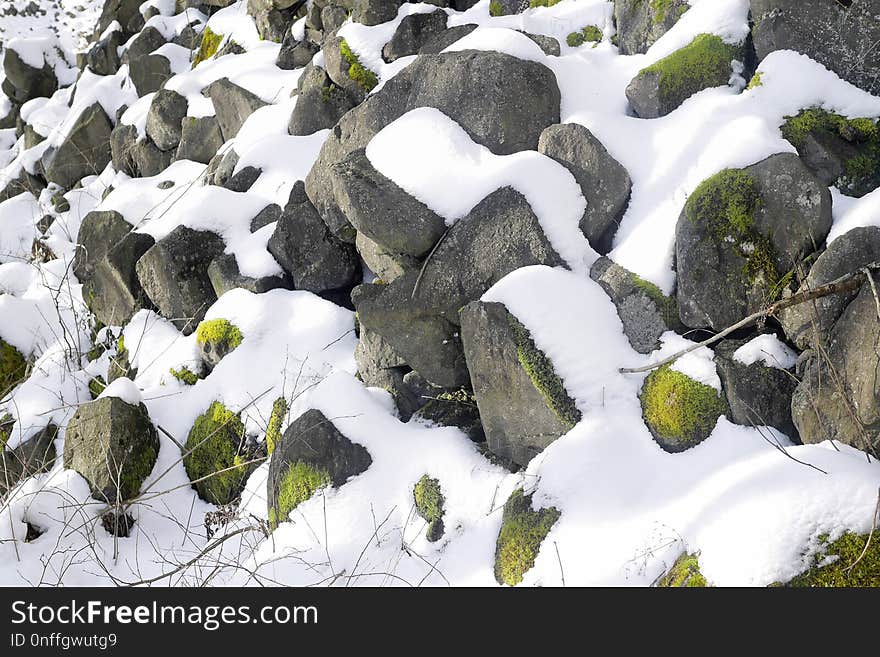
<point>755,82</point>
<point>685,573</point>
<point>96,386</point>
<point>365,78</point>
<point>680,411</point>
<point>208,47</point>
<point>135,471</point>
<point>543,3</point>
<point>214,461</point>
<point>13,367</point>
<point>495,8</point>
<point>832,566</point>
<point>702,64</point>
<point>220,332</point>
<point>667,306</point>
<point>184,375</point>
<point>522,532</point>
<point>429,505</point>
<point>276,423</point>
<point>590,33</point>
<point>660,10</point>
<point>6,424</point>
<point>543,375</point>
<point>299,484</point>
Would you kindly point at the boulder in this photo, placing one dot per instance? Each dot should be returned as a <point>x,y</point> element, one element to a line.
<point>374,12</point>
<point>242,180</point>
<point>740,236</point>
<point>25,82</point>
<point>83,152</point>
<point>523,403</point>
<point>344,68</point>
<point>113,445</point>
<point>24,182</point>
<point>605,183</point>
<point>550,45</point>
<point>114,293</point>
<point>99,232</point>
<point>441,41</point>
<point>272,17</point>
<point>123,140</point>
<point>808,324</point>
<point>332,18</point>
<point>523,530</point>
<point>312,453</point>
<point>387,265</point>
<point>125,12</point>
<point>295,54</point>
<point>645,312</point>
<point>268,215</point>
<point>232,104</point>
<point>174,274</point>
<point>507,7</point>
<point>148,159</point>
<point>31,457</point>
<point>103,57</point>
<point>663,86</point>
<point>640,23</point>
<point>302,244</point>
<point>200,139</point>
<point>167,111</point>
<point>413,33</point>
<point>149,73</point>
<point>225,275</point>
<point>838,34</point>
<point>319,104</point>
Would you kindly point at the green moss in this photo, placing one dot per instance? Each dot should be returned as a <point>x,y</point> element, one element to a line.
<point>185,375</point>
<point>429,499</point>
<point>666,305</point>
<point>703,63</point>
<point>299,484</point>
<point>680,411</point>
<point>495,8</point>
<point>95,352</point>
<point>96,386</point>
<point>660,10</point>
<point>221,334</point>
<point>543,375</point>
<point>13,367</point>
<point>543,3</point>
<point>685,573</point>
<point>815,120</point>
<point>462,396</point>
<point>590,33</point>
<point>276,423</point>
<point>357,71</point>
<point>832,566</point>
<point>522,532</point>
<point>755,82</point>
<point>209,46</point>
<point>213,446</point>
<point>6,424</point>
<point>135,471</point>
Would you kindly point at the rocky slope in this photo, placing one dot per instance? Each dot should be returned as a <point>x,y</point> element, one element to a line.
<point>362,292</point>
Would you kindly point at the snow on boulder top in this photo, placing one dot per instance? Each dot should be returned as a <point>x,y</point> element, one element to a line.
<point>767,349</point>
<point>124,389</point>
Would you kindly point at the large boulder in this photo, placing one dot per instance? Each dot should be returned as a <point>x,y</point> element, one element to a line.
<point>295,54</point>
<point>414,32</point>
<point>174,274</point>
<point>387,265</point>
<point>319,104</point>
<point>440,42</point>
<point>742,234</point>
<point>99,232</point>
<point>83,152</point>
<point>374,12</point>
<point>225,276</point>
<point>640,23</point>
<point>149,72</point>
<point>113,445</point>
<point>200,139</point>
<point>164,118</point>
<point>31,457</point>
<point>523,403</point>
<point>663,86</point>
<point>605,183</point>
<point>125,12</point>
<point>232,104</point>
<point>24,82</point>
<point>502,102</point>
<point>312,453</point>
<point>840,35</point>
<point>114,293</point>
<point>808,324</point>
<point>103,57</point>
<point>838,397</point>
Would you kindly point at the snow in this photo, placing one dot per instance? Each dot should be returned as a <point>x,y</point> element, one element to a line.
<point>766,349</point>
<point>123,389</point>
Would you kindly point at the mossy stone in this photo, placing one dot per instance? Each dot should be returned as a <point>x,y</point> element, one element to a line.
<point>276,423</point>
<point>13,367</point>
<point>844,562</point>
<point>216,338</point>
<point>522,531</point>
<point>685,573</point>
<point>208,47</point>
<point>364,77</point>
<point>429,505</point>
<point>185,375</point>
<point>298,485</point>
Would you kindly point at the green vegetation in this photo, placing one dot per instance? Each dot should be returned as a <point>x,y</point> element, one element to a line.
<point>135,471</point>
<point>96,386</point>
<point>543,3</point>
<point>13,367</point>
<point>543,375</point>
<point>210,44</point>
<point>661,10</point>
<point>667,306</point>
<point>276,424</point>
<point>495,8</point>
<point>522,532</point>
<point>755,82</point>
<point>221,335</point>
<point>213,460</point>
<point>429,505</point>
<point>590,33</point>
<point>6,424</point>
<point>299,484</point>
<point>357,71</point>
<point>185,375</point>
<point>702,64</point>
<point>685,573</point>
<point>680,411</point>
<point>844,563</point>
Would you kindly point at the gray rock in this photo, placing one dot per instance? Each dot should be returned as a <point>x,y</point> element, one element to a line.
<point>123,141</point>
<point>149,73</point>
<point>645,312</point>
<point>295,54</point>
<point>605,183</point>
<point>440,42</point>
<point>114,293</point>
<point>268,215</point>
<point>521,413</point>
<point>103,57</point>
<point>221,168</point>
<point>113,445</point>
<point>272,18</point>
<point>148,159</point>
<point>174,274</point>
<point>757,395</point>
<point>727,270</point>
<point>332,18</point>
<point>502,102</point>
<point>99,232</point>
<point>243,180</point>
<point>167,110</point>
<point>313,440</point>
<point>126,12</point>
<point>413,33</point>
<point>25,81</point>
<point>838,34</point>
<point>232,104</point>
<point>550,45</point>
<point>837,398</point>
<point>147,41</point>
<point>387,265</point>
<point>225,275</point>
<point>83,152</point>
<point>24,182</point>
<point>200,139</point>
<point>315,260</point>
<point>640,24</point>
<point>319,104</point>
<point>806,322</point>
<point>374,12</point>
<point>381,210</point>
<point>338,69</point>
<point>508,7</point>
<point>36,455</point>
<point>373,353</point>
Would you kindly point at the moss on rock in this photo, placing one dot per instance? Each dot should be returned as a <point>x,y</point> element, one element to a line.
<point>13,367</point>
<point>543,3</point>
<point>214,458</point>
<point>429,505</point>
<point>96,386</point>
<point>590,33</point>
<point>679,411</point>
<point>844,563</point>
<point>298,485</point>
<point>6,424</point>
<point>276,423</point>
<point>685,573</point>
<point>208,48</point>
<point>495,8</point>
<point>184,375</point>
<point>522,531</point>
<point>217,338</point>
<point>357,71</point>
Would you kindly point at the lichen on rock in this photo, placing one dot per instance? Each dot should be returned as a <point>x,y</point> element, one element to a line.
<point>429,505</point>
<point>853,560</point>
<point>684,573</point>
<point>522,531</point>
